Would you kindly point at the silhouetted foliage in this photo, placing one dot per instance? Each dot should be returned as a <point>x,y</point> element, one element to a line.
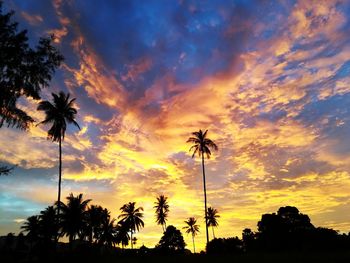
<point>162,210</point>
<point>24,71</point>
<point>248,238</point>
<point>123,236</point>
<point>73,217</point>
<point>172,241</point>
<point>232,245</point>
<point>201,145</point>
<point>213,216</point>
<point>48,225</point>
<point>107,234</point>
<point>94,219</point>
<point>285,229</point>
<point>287,232</point>
<point>131,218</point>
<point>193,229</point>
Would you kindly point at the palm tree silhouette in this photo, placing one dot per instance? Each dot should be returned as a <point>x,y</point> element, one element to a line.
<point>32,227</point>
<point>162,210</point>
<point>192,229</point>
<point>212,218</point>
<point>202,146</point>
<point>73,216</point>
<point>122,234</point>
<point>94,220</point>
<point>58,113</point>
<point>48,224</point>
<point>108,232</point>
<point>131,218</point>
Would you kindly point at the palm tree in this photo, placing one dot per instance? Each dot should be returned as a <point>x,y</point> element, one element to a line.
<point>212,218</point>
<point>108,232</point>
<point>202,146</point>
<point>48,224</point>
<point>122,235</point>
<point>162,210</point>
<point>131,218</point>
<point>32,227</point>
<point>192,229</point>
<point>58,113</point>
<point>94,219</point>
<point>73,216</point>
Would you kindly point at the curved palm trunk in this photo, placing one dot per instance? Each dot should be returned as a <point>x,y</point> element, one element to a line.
<point>194,247</point>
<point>205,200</point>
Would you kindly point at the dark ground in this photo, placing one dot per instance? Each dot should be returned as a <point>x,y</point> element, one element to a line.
<point>334,257</point>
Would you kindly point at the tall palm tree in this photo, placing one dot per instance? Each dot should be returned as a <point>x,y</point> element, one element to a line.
<point>162,210</point>
<point>212,217</point>
<point>131,218</point>
<point>59,113</point>
<point>73,216</point>
<point>202,146</point>
<point>192,228</point>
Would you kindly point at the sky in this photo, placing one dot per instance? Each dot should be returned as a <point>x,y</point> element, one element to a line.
<point>269,80</point>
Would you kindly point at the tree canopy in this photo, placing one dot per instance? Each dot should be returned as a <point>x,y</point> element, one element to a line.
<point>172,240</point>
<point>24,70</point>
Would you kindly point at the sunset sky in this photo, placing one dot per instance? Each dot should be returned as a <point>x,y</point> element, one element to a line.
<point>270,80</point>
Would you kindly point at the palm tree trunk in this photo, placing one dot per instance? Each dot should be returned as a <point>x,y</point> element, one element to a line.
<point>59,183</point>
<point>194,247</point>
<point>59,177</point>
<point>205,200</point>
<point>132,247</point>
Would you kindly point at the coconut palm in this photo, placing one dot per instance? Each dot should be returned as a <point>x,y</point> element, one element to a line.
<point>48,225</point>
<point>212,217</point>
<point>131,218</point>
<point>59,113</point>
<point>122,234</point>
<point>192,228</point>
<point>94,220</point>
<point>162,210</point>
<point>108,232</point>
<point>202,146</point>
<point>32,227</point>
<point>73,216</point>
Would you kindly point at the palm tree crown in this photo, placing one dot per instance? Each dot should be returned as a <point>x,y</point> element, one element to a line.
<point>201,144</point>
<point>32,227</point>
<point>73,216</point>
<point>192,228</point>
<point>212,217</point>
<point>162,210</point>
<point>58,113</point>
<point>131,217</point>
